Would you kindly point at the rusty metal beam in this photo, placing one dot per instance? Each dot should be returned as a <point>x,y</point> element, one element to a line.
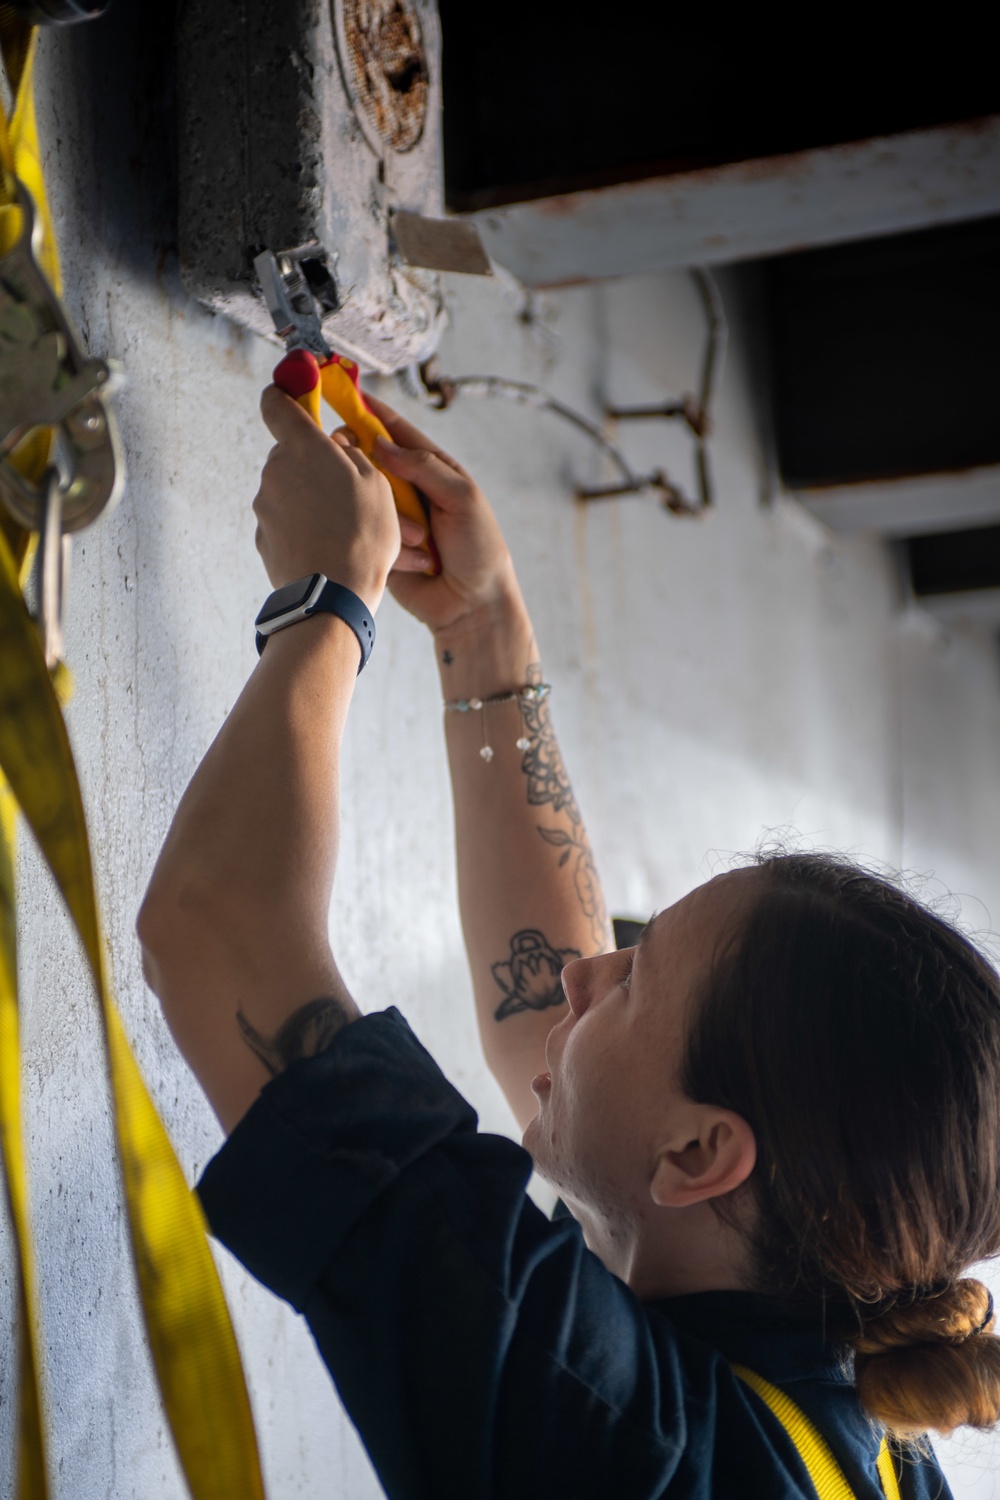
<point>751,209</point>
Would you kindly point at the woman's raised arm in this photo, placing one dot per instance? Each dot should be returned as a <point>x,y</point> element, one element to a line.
<point>529,893</point>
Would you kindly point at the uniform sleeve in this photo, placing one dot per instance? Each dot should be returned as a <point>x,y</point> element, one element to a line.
<point>479,1348</point>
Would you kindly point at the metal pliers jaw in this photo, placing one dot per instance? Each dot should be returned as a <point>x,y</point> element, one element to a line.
<point>291,303</point>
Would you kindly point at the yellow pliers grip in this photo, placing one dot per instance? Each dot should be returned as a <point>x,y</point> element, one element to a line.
<point>301,375</point>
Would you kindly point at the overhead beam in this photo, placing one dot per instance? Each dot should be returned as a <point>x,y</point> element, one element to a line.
<point>915,505</point>
<point>750,209</point>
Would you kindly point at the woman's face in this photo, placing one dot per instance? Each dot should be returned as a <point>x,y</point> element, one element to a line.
<point>611,1097</point>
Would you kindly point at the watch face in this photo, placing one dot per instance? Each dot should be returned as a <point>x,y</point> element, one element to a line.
<point>291,596</point>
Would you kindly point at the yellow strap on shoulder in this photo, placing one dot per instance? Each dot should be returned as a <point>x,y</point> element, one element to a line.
<point>191,1337</point>
<point>813,1449</point>
<point>887,1473</point>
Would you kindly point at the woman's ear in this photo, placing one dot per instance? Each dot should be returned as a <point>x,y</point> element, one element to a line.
<point>716,1154</point>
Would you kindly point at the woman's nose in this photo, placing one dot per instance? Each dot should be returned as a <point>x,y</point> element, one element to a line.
<point>575,984</point>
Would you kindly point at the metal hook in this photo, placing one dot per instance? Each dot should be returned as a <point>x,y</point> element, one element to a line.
<point>46,380</point>
<point>51,568</point>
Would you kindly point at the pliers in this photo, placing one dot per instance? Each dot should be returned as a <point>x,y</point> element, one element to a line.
<point>311,368</point>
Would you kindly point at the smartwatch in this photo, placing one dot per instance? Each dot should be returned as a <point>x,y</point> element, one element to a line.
<point>316,595</point>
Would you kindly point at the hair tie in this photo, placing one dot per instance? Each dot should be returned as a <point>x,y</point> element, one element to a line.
<point>988,1318</point>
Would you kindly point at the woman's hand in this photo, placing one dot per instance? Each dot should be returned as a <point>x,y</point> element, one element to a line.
<point>322,507</point>
<point>477,573</point>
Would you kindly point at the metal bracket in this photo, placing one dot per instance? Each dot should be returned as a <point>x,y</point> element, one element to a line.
<point>427,383</point>
<point>694,411</point>
<point>46,380</point>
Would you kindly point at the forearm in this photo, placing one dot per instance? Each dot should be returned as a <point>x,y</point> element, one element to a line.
<point>234,924</point>
<point>529,894</point>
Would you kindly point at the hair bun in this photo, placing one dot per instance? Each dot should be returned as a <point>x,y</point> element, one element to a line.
<point>948,1316</point>
<point>932,1363</point>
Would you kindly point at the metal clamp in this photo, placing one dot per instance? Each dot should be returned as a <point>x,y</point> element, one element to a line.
<point>46,380</point>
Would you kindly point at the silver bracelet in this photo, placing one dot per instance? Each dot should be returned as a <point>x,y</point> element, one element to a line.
<point>529,693</point>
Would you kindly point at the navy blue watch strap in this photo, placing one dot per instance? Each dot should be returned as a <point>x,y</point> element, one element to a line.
<point>333,599</point>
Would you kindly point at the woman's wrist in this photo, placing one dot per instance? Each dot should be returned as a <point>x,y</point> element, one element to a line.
<point>489,650</point>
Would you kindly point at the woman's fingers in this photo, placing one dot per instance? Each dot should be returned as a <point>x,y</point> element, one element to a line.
<point>433,474</point>
<point>348,444</point>
<point>411,532</point>
<point>405,434</point>
<point>284,418</point>
<point>412,560</point>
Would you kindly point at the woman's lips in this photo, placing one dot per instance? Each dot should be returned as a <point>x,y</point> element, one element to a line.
<point>541,1083</point>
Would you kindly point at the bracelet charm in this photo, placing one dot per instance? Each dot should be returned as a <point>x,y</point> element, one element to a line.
<point>529,692</point>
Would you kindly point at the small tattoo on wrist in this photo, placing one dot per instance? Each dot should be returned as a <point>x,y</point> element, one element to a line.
<point>447,658</point>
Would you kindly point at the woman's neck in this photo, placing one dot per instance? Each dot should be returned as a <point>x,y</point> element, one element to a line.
<point>669,1252</point>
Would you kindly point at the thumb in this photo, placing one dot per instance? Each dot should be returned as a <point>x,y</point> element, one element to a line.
<point>284,418</point>
<point>442,484</point>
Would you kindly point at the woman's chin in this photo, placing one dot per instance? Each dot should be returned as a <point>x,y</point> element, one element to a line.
<point>531,1138</point>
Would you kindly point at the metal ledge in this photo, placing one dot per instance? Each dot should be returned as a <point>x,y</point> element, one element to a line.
<point>970,607</point>
<point>912,506</point>
<point>752,209</point>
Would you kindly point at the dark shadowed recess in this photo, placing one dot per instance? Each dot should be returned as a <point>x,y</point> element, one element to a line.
<point>547,99</point>
<point>954,562</point>
<point>884,355</point>
<point>117,75</point>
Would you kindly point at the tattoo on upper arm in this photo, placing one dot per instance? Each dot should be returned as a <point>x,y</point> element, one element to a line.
<point>312,1027</point>
<point>530,978</point>
<point>549,785</point>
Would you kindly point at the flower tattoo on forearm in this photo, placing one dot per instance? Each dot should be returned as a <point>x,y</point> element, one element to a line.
<point>531,978</point>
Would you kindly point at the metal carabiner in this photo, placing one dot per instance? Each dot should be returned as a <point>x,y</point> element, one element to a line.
<point>46,380</point>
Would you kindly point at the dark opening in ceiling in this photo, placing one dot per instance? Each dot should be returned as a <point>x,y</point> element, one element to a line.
<point>555,99</point>
<point>955,561</point>
<point>884,355</point>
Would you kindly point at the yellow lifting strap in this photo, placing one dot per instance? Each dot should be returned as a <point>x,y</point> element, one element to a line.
<point>190,1334</point>
<point>814,1451</point>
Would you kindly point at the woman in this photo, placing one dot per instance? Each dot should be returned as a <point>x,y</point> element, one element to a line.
<point>775,1123</point>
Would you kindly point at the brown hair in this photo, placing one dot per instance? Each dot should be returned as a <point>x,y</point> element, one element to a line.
<point>859,1036</point>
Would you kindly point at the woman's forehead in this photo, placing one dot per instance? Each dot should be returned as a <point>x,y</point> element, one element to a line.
<point>723,895</point>
<point>690,929</point>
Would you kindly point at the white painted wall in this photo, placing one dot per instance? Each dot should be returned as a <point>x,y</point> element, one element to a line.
<point>711,680</point>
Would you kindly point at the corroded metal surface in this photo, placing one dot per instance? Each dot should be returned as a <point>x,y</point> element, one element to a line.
<point>385,66</point>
